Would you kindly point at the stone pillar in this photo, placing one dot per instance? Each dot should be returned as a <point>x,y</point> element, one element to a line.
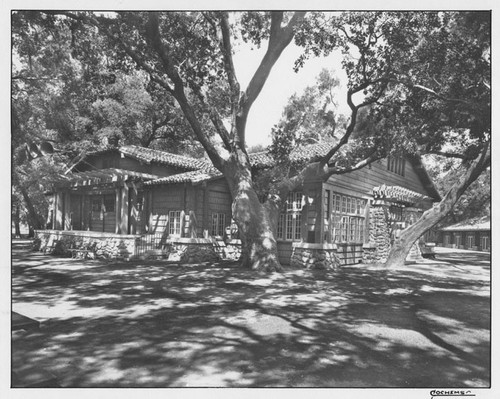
<point>379,244</point>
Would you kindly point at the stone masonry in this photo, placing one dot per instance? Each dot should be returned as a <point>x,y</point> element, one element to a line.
<point>379,245</point>
<point>95,244</point>
<point>314,256</point>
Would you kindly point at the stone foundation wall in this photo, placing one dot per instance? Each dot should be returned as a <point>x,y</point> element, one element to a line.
<point>232,251</point>
<point>98,245</point>
<point>191,250</point>
<point>314,256</point>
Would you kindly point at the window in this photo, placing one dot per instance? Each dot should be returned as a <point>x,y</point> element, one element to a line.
<point>289,222</point>
<point>218,224</point>
<point>294,201</point>
<point>396,165</point>
<point>109,203</point>
<point>327,204</point>
<point>96,204</point>
<point>457,240</point>
<point>485,242</point>
<point>347,219</point>
<point>447,240</point>
<point>174,223</point>
<point>103,203</point>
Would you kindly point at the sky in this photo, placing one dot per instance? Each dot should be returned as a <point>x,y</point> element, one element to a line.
<point>281,84</point>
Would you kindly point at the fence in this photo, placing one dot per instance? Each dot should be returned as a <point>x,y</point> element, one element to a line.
<point>151,244</point>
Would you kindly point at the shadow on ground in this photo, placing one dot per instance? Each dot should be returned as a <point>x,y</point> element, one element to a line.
<point>154,324</point>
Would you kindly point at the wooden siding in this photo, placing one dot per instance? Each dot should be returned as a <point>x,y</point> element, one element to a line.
<point>364,180</point>
<point>128,163</point>
<point>164,200</point>
<point>218,201</point>
<point>164,170</point>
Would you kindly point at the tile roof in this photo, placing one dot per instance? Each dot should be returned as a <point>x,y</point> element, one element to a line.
<point>257,160</point>
<point>476,224</point>
<point>195,176</point>
<point>397,194</point>
<point>312,152</point>
<point>149,155</point>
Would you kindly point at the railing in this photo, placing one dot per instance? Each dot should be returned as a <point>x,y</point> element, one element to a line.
<point>151,243</point>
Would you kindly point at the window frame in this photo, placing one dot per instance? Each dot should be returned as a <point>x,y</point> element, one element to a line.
<point>218,224</point>
<point>348,219</point>
<point>290,219</point>
<point>174,223</point>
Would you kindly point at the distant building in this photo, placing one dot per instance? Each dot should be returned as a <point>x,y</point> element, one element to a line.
<point>473,234</point>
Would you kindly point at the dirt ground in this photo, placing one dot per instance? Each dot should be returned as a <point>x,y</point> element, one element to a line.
<point>158,324</point>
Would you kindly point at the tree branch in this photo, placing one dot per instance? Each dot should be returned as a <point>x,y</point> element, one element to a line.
<point>178,92</point>
<point>449,154</point>
<point>279,39</point>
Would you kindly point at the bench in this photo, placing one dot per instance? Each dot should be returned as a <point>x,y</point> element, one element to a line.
<point>427,250</point>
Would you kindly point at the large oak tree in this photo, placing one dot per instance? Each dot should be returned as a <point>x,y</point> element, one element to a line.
<point>415,78</point>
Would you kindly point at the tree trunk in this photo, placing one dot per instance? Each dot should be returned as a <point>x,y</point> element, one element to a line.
<point>17,223</point>
<point>432,216</point>
<point>34,219</point>
<point>256,223</point>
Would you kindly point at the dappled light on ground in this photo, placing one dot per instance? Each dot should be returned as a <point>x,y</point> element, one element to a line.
<point>157,324</point>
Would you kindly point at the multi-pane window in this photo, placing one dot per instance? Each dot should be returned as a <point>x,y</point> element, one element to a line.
<point>174,223</point>
<point>326,204</point>
<point>218,224</point>
<point>289,222</point>
<point>470,241</point>
<point>485,242</point>
<point>396,165</point>
<point>347,218</point>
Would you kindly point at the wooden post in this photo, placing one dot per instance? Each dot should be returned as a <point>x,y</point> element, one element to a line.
<point>133,212</point>
<point>56,218</point>
<point>124,209</point>
<point>205,209</point>
<point>184,210</point>
<point>321,214</point>
<point>68,218</point>
<point>117,210</point>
